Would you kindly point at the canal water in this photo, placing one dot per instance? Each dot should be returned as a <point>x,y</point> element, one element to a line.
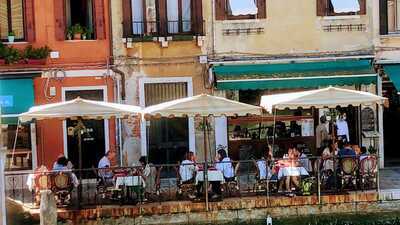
<point>393,218</point>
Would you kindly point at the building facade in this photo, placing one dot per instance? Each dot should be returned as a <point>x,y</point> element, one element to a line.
<point>387,60</point>
<point>263,47</point>
<point>158,50</point>
<point>75,64</point>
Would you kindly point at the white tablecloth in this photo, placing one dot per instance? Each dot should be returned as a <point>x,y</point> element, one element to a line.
<point>130,181</point>
<point>292,171</point>
<point>213,175</point>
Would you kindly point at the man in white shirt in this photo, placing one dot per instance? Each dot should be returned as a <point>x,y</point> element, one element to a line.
<point>105,164</point>
<point>188,168</point>
<point>342,128</point>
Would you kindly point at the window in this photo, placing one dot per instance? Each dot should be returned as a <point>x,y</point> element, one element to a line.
<point>163,17</point>
<point>88,15</point>
<point>389,16</point>
<point>21,158</point>
<point>12,19</point>
<point>178,16</point>
<point>80,12</point>
<point>240,9</point>
<point>341,7</point>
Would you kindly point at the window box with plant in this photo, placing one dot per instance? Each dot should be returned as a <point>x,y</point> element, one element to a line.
<point>36,56</point>
<point>78,32</point>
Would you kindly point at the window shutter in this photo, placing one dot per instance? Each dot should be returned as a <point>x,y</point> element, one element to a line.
<point>383,17</point>
<point>59,13</point>
<point>220,9</point>
<point>321,7</point>
<point>127,17</point>
<point>197,17</point>
<point>99,19</point>
<point>29,21</point>
<point>162,17</point>
<point>262,9</point>
<point>363,7</point>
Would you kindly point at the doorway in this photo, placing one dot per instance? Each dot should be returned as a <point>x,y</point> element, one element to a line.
<point>95,137</point>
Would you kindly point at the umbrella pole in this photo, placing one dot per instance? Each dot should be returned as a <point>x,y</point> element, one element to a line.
<point>79,130</point>
<point>205,173</point>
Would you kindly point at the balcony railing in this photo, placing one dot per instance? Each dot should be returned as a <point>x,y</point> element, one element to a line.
<point>161,183</point>
<point>151,29</point>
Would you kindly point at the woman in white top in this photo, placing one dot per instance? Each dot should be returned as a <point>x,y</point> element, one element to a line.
<point>262,164</point>
<point>328,156</point>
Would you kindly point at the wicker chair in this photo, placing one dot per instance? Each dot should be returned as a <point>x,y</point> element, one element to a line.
<point>62,187</point>
<point>368,172</point>
<point>348,172</point>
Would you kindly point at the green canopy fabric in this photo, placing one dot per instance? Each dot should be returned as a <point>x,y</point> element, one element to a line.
<point>16,96</point>
<point>393,71</point>
<point>294,75</point>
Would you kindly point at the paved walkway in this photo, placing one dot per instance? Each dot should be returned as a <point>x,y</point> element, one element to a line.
<point>390,178</point>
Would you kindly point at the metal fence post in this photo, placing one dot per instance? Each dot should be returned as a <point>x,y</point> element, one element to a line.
<point>319,182</point>
<point>3,220</point>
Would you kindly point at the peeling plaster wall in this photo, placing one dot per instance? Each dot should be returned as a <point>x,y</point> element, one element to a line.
<point>292,30</point>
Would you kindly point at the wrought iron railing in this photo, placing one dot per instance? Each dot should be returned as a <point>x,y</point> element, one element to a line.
<point>150,29</point>
<point>142,184</point>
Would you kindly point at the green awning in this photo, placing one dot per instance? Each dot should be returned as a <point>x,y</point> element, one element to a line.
<point>314,82</point>
<point>393,71</point>
<point>16,96</point>
<point>294,75</point>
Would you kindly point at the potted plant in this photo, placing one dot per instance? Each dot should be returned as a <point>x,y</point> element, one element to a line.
<point>77,31</point>
<point>87,34</point>
<point>11,37</point>
<point>12,55</point>
<point>70,34</point>
<point>36,56</point>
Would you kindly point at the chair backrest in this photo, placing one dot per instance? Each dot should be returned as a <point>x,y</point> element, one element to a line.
<point>62,181</point>
<point>348,165</point>
<point>43,181</point>
<point>368,165</point>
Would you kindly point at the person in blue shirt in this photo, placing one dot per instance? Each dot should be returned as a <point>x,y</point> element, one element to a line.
<point>346,150</point>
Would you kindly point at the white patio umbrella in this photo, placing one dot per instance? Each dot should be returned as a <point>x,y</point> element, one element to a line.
<point>201,106</point>
<point>80,109</point>
<point>320,98</point>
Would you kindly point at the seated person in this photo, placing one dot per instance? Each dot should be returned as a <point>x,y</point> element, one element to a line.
<point>148,174</point>
<point>328,156</point>
<point>363,153</point>
<point>104,168</point>
<point>188,169</point>
<point>262,164</point>
<point>223,164</point>
<point>63,164</point>
<point>290,172</point>
<point>303,160</point>
<point>346,150</point>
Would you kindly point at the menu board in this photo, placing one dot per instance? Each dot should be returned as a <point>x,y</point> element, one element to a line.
<point>367,119</point>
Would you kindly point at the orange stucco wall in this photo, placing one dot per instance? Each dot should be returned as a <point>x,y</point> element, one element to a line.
<point>75,52</point>
<point>50,132</point>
